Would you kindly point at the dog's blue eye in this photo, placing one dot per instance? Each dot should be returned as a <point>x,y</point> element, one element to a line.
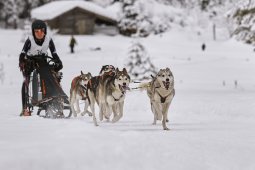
<point>163,75</point>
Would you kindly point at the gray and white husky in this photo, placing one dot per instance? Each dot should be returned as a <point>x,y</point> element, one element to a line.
<point>114,94</point>
<point>78,92</point>
<point>161,93</point>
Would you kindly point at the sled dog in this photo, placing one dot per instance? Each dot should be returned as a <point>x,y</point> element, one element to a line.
<point>113,94</point>
<point>106,73</point>
<point>78,92</point>
<point>161,93</point>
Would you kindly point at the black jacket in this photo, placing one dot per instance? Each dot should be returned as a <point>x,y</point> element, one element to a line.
<point>52,48</point>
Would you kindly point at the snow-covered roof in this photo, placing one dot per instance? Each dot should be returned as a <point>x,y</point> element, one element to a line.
<point>56,8</point>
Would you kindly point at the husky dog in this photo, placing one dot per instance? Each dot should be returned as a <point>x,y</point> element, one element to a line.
<point>95,83</point>
<point>114,94</point>
<point>107,70</point>
<point>78,92</point>
<point>161,93</point>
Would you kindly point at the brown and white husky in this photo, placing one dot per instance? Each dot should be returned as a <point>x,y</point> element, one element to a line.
<point>78,92</point>
<point>94,86</point>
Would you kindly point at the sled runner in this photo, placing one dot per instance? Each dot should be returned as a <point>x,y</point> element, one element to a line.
<point>45,91</point>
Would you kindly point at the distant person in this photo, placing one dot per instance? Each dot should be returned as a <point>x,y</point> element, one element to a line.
<point>72,43</point>
<point>203,47</point>
<point>224,83</point>
<point>236,83</point>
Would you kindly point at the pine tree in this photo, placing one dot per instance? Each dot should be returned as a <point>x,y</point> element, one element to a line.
<point>12,10</point>
<point>139,65</point>
<point>1,10</point>
<point>243,21</point>
<point>134,19</point>
<point>10,13</point>
<point>204,4</point>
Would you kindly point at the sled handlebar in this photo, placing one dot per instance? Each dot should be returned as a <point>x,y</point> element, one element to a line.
<point>45,58</point>
<point>39,57</point>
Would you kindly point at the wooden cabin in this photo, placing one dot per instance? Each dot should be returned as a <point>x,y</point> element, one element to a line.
<point>74,17</point>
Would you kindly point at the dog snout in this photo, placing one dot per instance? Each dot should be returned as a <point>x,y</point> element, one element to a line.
<point>124,84</point>
<point>167,79</point>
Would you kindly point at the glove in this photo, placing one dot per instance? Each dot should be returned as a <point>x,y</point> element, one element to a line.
<point>58,62</point>
<point>58,65</point>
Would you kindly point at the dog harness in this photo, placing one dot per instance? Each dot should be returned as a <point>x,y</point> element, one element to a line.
<point>119,97</point>
<point>81,89</point>
<point>163,99</point>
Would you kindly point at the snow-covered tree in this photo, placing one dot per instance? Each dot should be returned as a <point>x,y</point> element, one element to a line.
<point>204,4</point>
<point>139,65</point>
<point>11,12</point>
<point>1,9</point>
<point>242,19</point>
<point>135,19</point>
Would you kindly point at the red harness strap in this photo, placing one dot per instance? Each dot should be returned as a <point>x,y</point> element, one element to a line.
<point>43,88</point>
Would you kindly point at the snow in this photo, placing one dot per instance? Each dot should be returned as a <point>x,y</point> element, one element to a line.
<point>54,9</point>
<point>212,126</point>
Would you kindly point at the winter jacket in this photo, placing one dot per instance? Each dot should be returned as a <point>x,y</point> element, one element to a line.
<point>72,42</point>
<point>34,48</point>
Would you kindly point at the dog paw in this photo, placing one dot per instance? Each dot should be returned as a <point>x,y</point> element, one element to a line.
<point>166,128</point>
<point>114,120</point>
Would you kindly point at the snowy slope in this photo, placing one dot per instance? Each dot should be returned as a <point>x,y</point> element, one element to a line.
<point>212,126</point>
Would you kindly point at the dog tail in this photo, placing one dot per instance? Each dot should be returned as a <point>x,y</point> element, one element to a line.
<point>144,86</point>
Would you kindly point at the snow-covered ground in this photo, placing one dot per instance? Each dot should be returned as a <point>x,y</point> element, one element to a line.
<point>212,126</point>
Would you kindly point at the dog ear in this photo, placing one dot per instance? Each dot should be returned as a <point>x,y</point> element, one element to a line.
<point>89,74</point>
<point>102,69</point>
<point>167,69</point>
<point>124,70</point>
<point>117,69</point>
<point>81,72</point>
<point>113,67</point>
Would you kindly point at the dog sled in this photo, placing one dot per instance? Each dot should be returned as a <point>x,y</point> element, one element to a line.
<point>45,91</point>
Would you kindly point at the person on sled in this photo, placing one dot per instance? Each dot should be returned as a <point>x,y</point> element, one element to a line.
<point>36,45</point>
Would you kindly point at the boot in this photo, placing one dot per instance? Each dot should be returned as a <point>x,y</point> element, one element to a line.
<point>25,112</point>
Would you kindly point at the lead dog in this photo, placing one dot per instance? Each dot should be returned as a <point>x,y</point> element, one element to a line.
<point>78,92</point>
<point>161,93</point>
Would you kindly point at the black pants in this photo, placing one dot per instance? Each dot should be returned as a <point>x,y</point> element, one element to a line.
<point>72,48</point>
